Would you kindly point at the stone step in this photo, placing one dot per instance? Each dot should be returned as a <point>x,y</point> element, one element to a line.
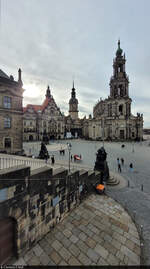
<point>113,181</point>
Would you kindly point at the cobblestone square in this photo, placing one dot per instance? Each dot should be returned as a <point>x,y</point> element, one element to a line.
<point>88,248</point>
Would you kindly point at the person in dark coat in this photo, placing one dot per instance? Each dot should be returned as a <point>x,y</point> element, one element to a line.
<point>53,159</point>
<point>131,167</point>
<point>119,167</point>
<point>122,161</point>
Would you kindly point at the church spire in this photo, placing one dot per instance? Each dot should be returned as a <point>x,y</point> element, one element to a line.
<point>119,50</point>
<point>19,77</point>
<point>48,93</point>
<point>73,104</point>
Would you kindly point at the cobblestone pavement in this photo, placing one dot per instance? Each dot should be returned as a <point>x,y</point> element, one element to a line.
<point>136,201</point>
<point>98,232</point>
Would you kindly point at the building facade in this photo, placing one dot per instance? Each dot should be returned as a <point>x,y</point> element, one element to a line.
<point>46,121</point>
<point>112,117</point>
<point>43,122</point>
<point>11,113</point>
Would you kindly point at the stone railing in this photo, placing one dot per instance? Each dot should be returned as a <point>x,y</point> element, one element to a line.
<point>8,162</point>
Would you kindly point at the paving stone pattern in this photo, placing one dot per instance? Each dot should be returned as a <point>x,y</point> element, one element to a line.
<point>104,234</point>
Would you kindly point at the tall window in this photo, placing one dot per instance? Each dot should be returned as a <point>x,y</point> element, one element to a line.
<point>121,109</point>
<point>7,102</point>
<point>7,122</point>
<point>7,142</point>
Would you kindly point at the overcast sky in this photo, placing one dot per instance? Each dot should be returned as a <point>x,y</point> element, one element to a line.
<point>56,41</point>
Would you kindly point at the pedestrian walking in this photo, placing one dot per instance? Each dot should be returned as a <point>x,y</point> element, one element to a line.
<point>131,167</point>
<point>119,167</point>
<point>118,161</point>
<point>122,161</point>
<point>71,157</point>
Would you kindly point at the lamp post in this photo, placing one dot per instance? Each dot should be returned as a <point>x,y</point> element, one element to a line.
<point>132,146</point>
<point>103,131</point>
<point>69,149</point>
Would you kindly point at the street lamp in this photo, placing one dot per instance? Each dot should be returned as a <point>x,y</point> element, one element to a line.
<point>69,149</point>
<point>132,146</point>
<point>103,130</point>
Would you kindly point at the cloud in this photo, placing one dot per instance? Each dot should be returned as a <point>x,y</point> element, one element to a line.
<point>55,42</point>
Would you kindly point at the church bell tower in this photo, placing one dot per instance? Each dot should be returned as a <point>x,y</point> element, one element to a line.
<point>73,104</point>
<point>119,82</point>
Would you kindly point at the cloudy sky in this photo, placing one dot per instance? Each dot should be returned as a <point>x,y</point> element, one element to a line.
<point>54,42</point>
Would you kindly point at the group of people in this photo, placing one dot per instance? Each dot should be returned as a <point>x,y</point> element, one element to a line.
<point>52,159</point>
<point>62,152</point>
<point>120,163</point>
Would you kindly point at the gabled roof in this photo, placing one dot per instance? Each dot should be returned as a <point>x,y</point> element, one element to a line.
<point>45,103</point>
<point>3,75</point>
<point>36,108</point>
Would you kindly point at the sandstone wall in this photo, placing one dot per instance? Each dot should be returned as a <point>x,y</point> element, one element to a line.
<point>37,201</point>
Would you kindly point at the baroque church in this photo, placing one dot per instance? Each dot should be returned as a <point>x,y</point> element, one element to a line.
<point>112,118</point>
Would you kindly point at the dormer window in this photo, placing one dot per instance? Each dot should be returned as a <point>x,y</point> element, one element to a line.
<point>7,102</point>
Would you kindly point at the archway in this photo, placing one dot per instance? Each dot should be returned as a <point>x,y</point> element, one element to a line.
<point>30,137</point>
<point>8,247</point>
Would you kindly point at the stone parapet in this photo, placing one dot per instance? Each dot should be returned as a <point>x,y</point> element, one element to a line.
<point>38,201</point>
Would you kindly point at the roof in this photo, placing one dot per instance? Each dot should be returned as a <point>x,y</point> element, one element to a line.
<point>3,75</point>
<point>36,108</point>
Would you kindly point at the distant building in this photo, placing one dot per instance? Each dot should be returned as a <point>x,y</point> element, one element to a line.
<point>112,117</point>
<point>11,113</point>
<point>43,122</point>
<point>72,122</point>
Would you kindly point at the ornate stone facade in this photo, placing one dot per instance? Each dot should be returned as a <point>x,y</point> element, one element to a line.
<point>43,121</point>
<point>112,117</point>
<point>11,112</point>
